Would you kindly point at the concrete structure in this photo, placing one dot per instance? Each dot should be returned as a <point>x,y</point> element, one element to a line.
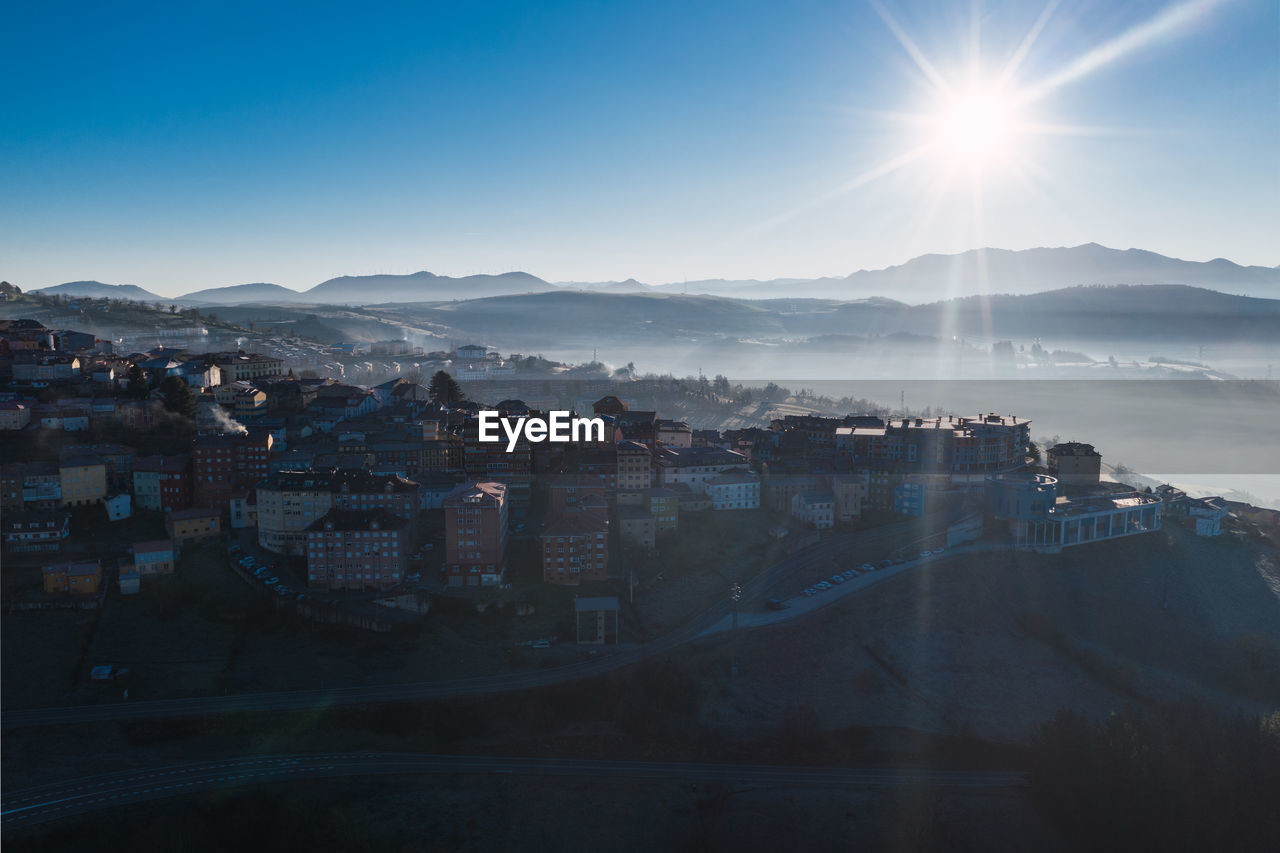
<point>83,578</point>
<point>475,526</point>
<point>154,557</point>
<point>357,550</point>
<point>1074,463</point>
<point>1027,506</point>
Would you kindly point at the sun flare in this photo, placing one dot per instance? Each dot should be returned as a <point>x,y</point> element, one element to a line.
<point>976,126</point>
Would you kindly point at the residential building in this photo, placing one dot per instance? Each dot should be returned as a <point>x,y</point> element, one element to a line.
<point>1074,463</point>
<point>82,578</point>
<point>34,532</point>
<point>696,466</point>
<point>675,434</point>
<point>14,415</point>
<point>246,367</point>
<point>118,459</point>
<point>575,548</point>
<point>118,506</point>
<point>664,506</point>
<point>83,480</point>
<point>849,491</point>
<point>162,483</point>
<point>224,465</point>
<point>736,488</point>
<point>154,557</point>
<point>596,619</point>
<point>288,502</point>
<point>815,509</point>
<point>635,466</point>
<point>193,525</point>
<point>476,518</point>
<point>637,526</point>
<point>357,550</point>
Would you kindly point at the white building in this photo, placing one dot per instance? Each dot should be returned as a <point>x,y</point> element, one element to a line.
<point>738,488</point>
<point>816,509</point>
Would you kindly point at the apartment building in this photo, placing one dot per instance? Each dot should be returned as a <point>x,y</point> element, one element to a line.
<point>82,578</point>
<point>635,466</point>
<point>224,465</point>
<point>154,557</point>
<point>736,488</point>
<point>83,480</point>
<point>289,502</point>
<point>357,550</point>
<point>695,466</point>
<point>575,548</point>
<point>162,483</point>
<point>476,518</point>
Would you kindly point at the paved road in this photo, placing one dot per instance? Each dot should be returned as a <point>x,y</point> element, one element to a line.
<point>802,568</point>
<point>50,802</point>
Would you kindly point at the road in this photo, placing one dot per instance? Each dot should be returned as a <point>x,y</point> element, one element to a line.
<point>87,794</point>
<point>802,568</point>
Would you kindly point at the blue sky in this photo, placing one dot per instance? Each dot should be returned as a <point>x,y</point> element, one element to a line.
<point>181,146</point>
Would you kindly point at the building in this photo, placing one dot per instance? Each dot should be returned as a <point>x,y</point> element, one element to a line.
<point>357,550</point>
<point>246,367</point>
<point>119,507</point>
<point>575,548</point>
<point>1074,463</point>
<point>635,466</point>
<point>193,525</point>
<point>637,526</point>
<point>226,464</point>
<point>472,352</point>
<point>849,491</point>
<point>960,446</point>
<point>778,491</point>
<point>289,502</point>
<point>118,459</point>
<point>83,480</point>
<point>814,509</point>
<point>675,434</point>
<point>83,578</point>
<point>1027,507</point>
<point>14,415</point>
<point>34,532</point>
<point>664,506</point>
<point>475,526</point>
<point>154,557</point>
<point>736,488</point>
<point>696,466</point>
<point>596,619</point>
<point>162,483</point>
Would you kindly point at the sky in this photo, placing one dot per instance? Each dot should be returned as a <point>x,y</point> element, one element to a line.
<point>179,146</point>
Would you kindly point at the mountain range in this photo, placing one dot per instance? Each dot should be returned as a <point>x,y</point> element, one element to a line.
<point>924,279</point>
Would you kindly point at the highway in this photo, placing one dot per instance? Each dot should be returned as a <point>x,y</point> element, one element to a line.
<point>50,802</point>
<point>795,572</point>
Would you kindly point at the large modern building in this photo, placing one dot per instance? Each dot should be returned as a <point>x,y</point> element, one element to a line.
<point>475,527</point>
<point>356,550</point>
<point>1028,508</point>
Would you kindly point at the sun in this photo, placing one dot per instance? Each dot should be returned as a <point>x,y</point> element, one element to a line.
<point>976,126</point>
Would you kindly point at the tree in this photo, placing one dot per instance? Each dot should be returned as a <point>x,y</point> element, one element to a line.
<point>137,382</point>
<point>177,396</point>
<point>444,388</point>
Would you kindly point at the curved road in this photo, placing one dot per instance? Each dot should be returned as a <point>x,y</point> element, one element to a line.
<point>50,802</point>
<point>803,568</point>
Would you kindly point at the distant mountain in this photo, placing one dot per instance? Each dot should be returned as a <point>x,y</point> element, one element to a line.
<point>1100,313</point>
<point>98,290</point>
<point>933,277</point>
<point>421,287</point>
<point>628,286</point>
<point>238,294</point>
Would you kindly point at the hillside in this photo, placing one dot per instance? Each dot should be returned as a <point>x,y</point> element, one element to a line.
<point>421,287</point>
<point>237,294</point>
<point>98,290</point>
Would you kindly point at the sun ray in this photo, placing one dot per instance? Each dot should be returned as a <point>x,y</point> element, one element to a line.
<point>922,62</point>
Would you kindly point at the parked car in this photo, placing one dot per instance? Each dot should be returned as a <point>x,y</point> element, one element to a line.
<point>868,567</point>
<point>848,573</point>
<point>542,644</point>
<point>924,554</point>
<point>272,581</point>
<point>884,564</point>
<point>939,549</point>
<point>775,604</point>
<point>898,561</point>
<point>836,579</point>
<point>810,591</point>
<point>822,585</point>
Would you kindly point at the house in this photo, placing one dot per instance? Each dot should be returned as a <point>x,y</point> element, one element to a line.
<point>154,557</point>
<point>193,525</point>
<point>357,550</point>
<point>129,581</point>
<point>82,578</point>
<point>162,483</point>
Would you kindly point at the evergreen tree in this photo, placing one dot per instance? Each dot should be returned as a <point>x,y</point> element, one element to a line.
<point>444,389</point>
<point>177,396</point>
